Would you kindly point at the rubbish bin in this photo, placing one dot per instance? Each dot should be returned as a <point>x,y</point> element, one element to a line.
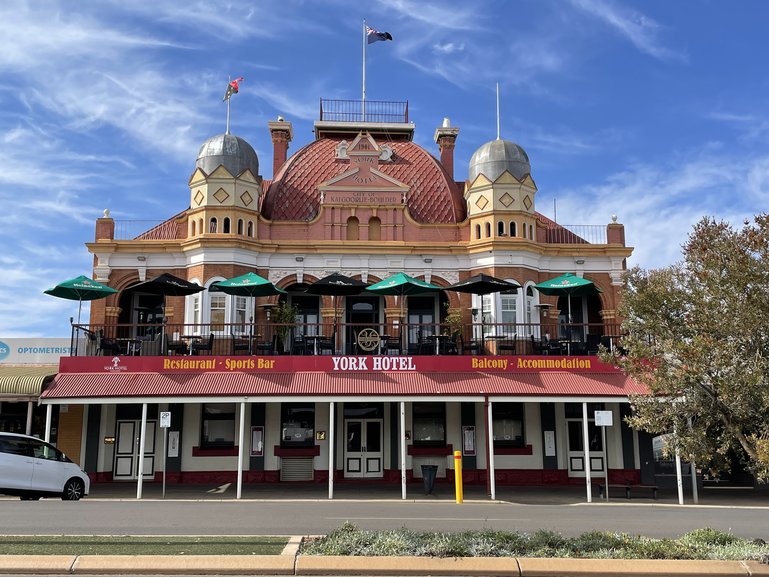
<point>428,477</point>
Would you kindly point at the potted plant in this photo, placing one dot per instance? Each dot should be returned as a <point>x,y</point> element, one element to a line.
<point>284,316</point>
<point>452,323</point>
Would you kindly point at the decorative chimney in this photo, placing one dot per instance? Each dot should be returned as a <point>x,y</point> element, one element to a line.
<point>445,138</point>
<point>282,133</point>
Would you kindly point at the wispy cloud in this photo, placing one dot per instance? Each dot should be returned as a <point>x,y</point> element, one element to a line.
<point>640,30</point>
<point>450,17</point>
<point>659,204</point>
<point>448,48</point>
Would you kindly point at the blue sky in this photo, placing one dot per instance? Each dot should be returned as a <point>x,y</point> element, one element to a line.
<point>655,111</point>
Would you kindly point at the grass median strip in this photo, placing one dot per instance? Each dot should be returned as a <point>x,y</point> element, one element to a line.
<point>140,545</point>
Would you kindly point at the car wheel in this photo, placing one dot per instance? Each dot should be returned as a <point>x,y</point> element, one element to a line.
<point>73,490</point>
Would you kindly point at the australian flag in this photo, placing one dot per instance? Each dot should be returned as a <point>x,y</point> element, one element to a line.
<point>374,36</point>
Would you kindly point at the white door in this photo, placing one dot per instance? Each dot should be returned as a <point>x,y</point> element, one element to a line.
<point>363,449</point>
<point>126,466</point>
<point>576,451</point>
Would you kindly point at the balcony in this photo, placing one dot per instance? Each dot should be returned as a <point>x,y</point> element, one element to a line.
<point>343,339</point>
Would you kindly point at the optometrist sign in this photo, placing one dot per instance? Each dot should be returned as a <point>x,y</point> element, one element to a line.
<point>43,351</point>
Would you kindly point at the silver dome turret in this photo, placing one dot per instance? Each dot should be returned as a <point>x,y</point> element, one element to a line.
<point>232,152</point>
<point>494,157</point>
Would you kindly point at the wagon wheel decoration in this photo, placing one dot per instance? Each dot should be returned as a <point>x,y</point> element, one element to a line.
<point>368,339</point>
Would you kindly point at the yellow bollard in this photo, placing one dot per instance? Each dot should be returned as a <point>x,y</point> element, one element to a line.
<point>458,476</point>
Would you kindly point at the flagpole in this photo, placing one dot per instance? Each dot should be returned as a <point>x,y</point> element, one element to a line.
<point>497,110</point>
<point>363,100</point>
<point>229,79</point>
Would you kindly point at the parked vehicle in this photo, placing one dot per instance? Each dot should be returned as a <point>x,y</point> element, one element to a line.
<point>31,468</point>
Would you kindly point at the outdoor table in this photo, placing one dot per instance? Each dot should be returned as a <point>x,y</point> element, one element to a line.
<point>438,338</point>
<point>493,339</point>
<point>130,346</point>
<point>314,339</point>
<point>190,340</point>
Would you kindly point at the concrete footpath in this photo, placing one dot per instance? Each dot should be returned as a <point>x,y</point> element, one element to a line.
<point>289,562</point>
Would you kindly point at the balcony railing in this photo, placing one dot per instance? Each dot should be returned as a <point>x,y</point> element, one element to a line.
<point>576,234</point>
<point>344,339</point>
<point>145,229</point>
<point>380,111</point>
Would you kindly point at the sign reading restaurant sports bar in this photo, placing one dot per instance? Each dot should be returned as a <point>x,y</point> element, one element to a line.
<point>332,364</point>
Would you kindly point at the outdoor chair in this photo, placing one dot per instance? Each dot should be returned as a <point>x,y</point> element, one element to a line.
<point>507,345</point>
<point>325,345</point>
<point>471,347</point>
<point>538,347</point>
<point>425,346</point>
<point>391,343</point>
<point>107,346</point>
<point>150,347</point>
<point>266,347</point>
<point>299,345</point>
<point>240,343</point>
<point>198,347</point>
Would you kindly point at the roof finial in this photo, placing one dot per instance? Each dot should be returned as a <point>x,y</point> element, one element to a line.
<point>497,110</point>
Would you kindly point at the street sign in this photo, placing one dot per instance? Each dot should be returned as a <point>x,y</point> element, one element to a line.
<point>165,419</point>
<point>602,419</point>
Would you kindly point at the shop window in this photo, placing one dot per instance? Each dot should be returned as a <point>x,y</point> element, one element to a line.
<point>429,424</point>
<point>218,425</point>
<point>507,424</point>
<point>297,425</point>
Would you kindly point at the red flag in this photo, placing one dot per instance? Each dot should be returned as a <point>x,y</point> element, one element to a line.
<point>232,88</point>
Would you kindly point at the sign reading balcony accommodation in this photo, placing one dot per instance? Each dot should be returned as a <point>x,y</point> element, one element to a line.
<point>363,183</point>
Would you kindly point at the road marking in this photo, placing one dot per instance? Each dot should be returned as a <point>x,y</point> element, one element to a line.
<point>220,488</point>
<point>478,519</point>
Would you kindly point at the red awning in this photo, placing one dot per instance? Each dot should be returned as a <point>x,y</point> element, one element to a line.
<point>395,384</point>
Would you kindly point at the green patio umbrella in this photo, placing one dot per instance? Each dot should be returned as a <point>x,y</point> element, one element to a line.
<point>246,285</point>
<point>80,289</point>
<point>400,285</point>
<point>568,285</point>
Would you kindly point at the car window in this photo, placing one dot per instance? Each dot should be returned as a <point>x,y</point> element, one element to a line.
<point>14,446</point>
<point>43,451</point>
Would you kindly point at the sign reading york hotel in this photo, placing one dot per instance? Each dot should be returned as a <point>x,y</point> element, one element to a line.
<point>332,364</point>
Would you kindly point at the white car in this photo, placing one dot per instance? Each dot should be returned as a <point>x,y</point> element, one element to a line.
<point>31,468</point>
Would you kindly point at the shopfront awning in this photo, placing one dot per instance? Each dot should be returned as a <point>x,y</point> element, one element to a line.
<point>124,385</point>
<point>22,381</point>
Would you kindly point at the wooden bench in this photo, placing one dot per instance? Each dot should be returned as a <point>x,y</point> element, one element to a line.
<point>627,487</point>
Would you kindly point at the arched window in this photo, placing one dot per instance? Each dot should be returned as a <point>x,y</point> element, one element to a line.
<point>201,230</point>
<point>508,311</point>
<point>374,228</point>
<point>353,228</point>
<point>529,309</point>
<point>488,230</point>
<point>212,224</point>
<point>250,231</point>
<point>192,227</point>
<point>226,225</point>
<point>240,226</point>
<point>500,228</point>
<point>477,231</point>
<point>523,228</point>
<point>531,231</point>
<point>513,230</point>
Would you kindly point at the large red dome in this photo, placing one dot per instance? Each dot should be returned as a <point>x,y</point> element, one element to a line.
<point>433,198</point>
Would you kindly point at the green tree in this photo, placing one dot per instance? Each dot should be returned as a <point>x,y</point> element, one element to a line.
<point>698,338</point>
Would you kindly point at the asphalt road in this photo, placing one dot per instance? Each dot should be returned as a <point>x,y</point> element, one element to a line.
<point>230,517</point>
